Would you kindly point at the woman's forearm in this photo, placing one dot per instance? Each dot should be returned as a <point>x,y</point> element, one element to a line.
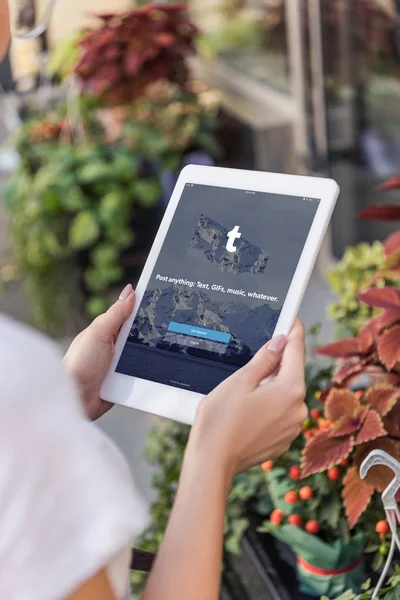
<point>189,561</point>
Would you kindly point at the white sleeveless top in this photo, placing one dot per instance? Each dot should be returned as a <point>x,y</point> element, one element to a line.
<point>68,507</point>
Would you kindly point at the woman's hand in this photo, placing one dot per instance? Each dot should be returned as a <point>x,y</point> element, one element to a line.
<point>90,354</point>
<point>245,423</point>
<point>240,424</point>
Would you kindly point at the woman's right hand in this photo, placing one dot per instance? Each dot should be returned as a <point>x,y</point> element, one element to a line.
<point>244,423</point>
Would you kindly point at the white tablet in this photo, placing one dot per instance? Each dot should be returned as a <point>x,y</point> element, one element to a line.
<point>227,271</point>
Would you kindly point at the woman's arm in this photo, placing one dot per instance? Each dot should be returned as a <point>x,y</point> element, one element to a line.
<point>97,588</point>
<point>239,425</point>
<point>189,561</point>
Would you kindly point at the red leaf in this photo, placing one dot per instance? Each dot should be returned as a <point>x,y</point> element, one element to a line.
<point>387,297</point>
<point>341,403</point>
<point>380,212</point>
<point>391,184</point>
<point>389,347</point>
<point>371,330</point>
<point>392,243</point>
<point>382,398</point>
<point>356,496</point>
<point>349,369</point>
<point>372,429</point>
<point>323,452</point>
<point>392,421</point>
<point>342,349</point>
<point>350,424</point>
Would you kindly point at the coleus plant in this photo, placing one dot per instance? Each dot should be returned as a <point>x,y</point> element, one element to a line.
<point>133,49</point>
<point>362,407</point>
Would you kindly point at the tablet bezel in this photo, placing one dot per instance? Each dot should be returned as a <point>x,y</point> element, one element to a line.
<point>178,404</point>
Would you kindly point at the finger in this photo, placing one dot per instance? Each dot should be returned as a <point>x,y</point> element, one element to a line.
<point>294,356</point>
<point>265,362</point>
<point>109,324</point>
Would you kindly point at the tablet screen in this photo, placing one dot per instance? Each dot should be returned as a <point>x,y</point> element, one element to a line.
<point>218,286</point>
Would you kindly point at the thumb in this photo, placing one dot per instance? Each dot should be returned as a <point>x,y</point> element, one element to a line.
<point>265,362</point>
<point>109,324</point>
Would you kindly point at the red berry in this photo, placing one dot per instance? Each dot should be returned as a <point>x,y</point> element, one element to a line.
<point>276,516</point>
<point>312,527</point>
<point>334,474</point>
<point>295,473</point>
<point>315,414</point>
<point>267,466</point>
<point>344,462</point>
<point>291,497</point>
<point>306,492</point>
<point>382,527</point>
<point>295,520</point>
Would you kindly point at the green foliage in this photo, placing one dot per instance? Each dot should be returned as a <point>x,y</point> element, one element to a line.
<point>390,592</point>
<point>65,56</point>
<point>67,199</point>
<point>169,121</point>
<point>358,265</point>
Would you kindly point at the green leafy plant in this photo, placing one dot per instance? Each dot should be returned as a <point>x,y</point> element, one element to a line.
<point>137,48</point>
<point>168,121</point>
<point>358,265</point>
<point>72,208</point>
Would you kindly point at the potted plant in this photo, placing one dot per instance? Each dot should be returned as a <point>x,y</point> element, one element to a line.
<point>71,206</point>
<point>306,499</point>
<point>88,196</point>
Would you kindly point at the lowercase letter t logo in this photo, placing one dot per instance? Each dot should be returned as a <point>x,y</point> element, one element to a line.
<point>232,237</point>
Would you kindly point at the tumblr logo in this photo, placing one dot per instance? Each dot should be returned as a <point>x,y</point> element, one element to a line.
<point>232,237</point>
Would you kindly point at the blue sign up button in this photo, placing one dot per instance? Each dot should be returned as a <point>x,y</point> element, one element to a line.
<point>200,332</point>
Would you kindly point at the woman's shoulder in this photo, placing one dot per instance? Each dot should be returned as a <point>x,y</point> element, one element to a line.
<point>30,367</point>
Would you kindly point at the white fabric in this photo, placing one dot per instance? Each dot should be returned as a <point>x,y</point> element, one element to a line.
<point>68,507</point>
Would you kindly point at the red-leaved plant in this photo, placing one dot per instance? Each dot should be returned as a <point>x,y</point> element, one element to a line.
<point>362,408</point>
<point>133,49</point>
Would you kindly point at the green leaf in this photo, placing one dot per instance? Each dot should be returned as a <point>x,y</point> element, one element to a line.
<point>99,279</point>
<point>147,192</point>
<point>74,200</point>
<point>172,162</point>
<point>121,237</point>
<point>377,562</point>
<point>50,201</point>
<point>394,594</point>
<point>104,254</point>
<point>96,306</point>
<point>96,171</point>
<point>329,511</point>
<point>84,230</point>
<point>112,206</point>
<point>232,543</point>
<point>208,143</point>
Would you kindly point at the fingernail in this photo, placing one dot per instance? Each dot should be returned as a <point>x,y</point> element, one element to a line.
<point>127,291</point>
<point>277,345</point>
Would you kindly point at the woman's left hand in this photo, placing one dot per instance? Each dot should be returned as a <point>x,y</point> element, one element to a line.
<point>90,354</point>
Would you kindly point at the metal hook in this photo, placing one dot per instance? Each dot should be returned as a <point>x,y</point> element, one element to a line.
<point>382,458</point>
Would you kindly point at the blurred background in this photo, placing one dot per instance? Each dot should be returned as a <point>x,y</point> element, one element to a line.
<point>98,114</point>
